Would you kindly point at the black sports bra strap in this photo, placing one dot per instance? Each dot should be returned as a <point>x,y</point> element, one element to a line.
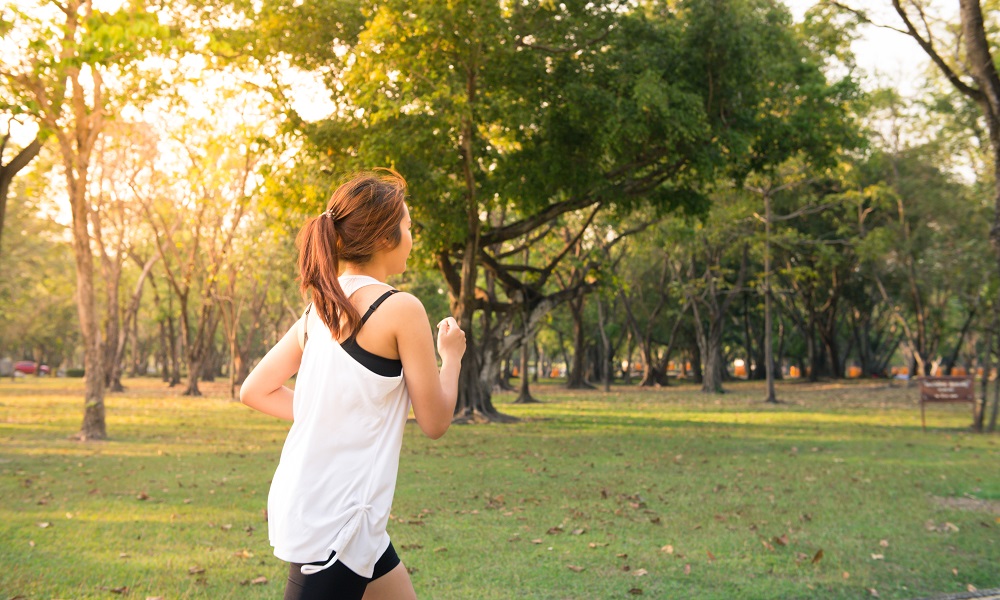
<point>372,308</point>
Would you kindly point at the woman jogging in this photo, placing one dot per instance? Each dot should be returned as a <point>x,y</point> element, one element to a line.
<point>363,354</point>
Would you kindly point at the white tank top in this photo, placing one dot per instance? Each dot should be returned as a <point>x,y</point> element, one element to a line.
<point>334,484</point>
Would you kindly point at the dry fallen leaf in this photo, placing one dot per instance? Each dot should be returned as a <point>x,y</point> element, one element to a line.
<point>687,569</point>
<point>782,541</point>
<point>44,524</point>
<point>970,587</point>
<point>884,543</point>
<point>635,591</point>
<point>142,496</point>
<point>668,549</point>
<point>873,592</point>
<point>818,556</point>
<point>196,570</point>
<point>441,549</point>
<point>640,572</point>
<point>575,568</point>
<point>954,572</point>
<point>597,544</point>
<point>767,545</point>
<point>243,554</point>
<point>578,531</point>
<point>711,556</point>
<point>878,557</point>
<point>259,580</point>
<point>846,575</point>
<point>536,541</point>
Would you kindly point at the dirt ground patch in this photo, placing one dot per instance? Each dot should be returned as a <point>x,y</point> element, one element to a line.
<point>973,504</point>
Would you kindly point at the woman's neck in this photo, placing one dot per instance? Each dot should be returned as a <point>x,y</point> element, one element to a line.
<point>352,270</point>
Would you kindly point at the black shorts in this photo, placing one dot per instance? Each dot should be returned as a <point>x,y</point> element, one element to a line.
<point>336,582</point>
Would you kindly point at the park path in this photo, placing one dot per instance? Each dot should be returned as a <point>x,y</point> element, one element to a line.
<point>992,594</point>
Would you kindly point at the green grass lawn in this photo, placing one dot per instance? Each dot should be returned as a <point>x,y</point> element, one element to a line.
<point>659,493</point>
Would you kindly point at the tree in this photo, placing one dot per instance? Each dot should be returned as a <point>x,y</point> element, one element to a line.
<point>717,270</point>
<point>255,282</point>
<point>651,293</point>
<point>198,224</point>
<point>969,66</point>
<point>924,258</point>
<point>121,154</point>
<point>34,278</point>
<point>505,118</point>
<point>70,73</point>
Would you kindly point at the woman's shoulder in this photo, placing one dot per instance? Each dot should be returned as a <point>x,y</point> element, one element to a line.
<point>396,305</point>
<point>405,304</point>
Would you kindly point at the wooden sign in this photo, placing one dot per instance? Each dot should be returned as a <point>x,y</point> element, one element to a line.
<point>946,389</point>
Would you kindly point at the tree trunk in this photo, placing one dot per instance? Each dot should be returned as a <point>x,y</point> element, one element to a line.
<point>649,376</point>
<point>768,315</point>
<point>606,357</point>
<point>175,359</point>
<point>949,363</point>
<point>779,359</point>
<point>524,395</point>
<point>242,365</point>
<point>138,350</point>
<point>194,371</point>
<point>538,360</point>
<point>833,356</point>
<point>815,357</point>
<point>697,372</point>
<point>987,365</point>
<point>627,369</point>
<point>751,364</point>
<point>996,407</point>
<point>163,352</point>
<point>93,426</point>
<point>131,317</point>
<point>983,67</point>
<point>233,351</point>
<point>194,362</point>
<point>709,341</point>
<point>575,379</point>
<point>112,327</point>
<point>503,382</point>
<point>711,350</point>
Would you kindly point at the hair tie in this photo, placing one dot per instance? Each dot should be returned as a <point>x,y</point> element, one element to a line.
<point>330,215</point>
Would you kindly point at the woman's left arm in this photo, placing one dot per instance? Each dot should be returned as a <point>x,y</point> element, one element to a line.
<point>264,388</point>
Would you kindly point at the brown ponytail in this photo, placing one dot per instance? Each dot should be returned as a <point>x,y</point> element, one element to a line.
<point>361,218</point>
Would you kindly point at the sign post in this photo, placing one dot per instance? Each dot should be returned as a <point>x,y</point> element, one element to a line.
<point>946,390</point>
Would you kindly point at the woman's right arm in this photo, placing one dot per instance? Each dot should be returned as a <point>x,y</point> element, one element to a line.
<point>264,388</point>
<point>433,392</point>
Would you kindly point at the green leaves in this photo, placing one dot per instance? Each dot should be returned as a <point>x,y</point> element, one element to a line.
<point>121,37</point>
